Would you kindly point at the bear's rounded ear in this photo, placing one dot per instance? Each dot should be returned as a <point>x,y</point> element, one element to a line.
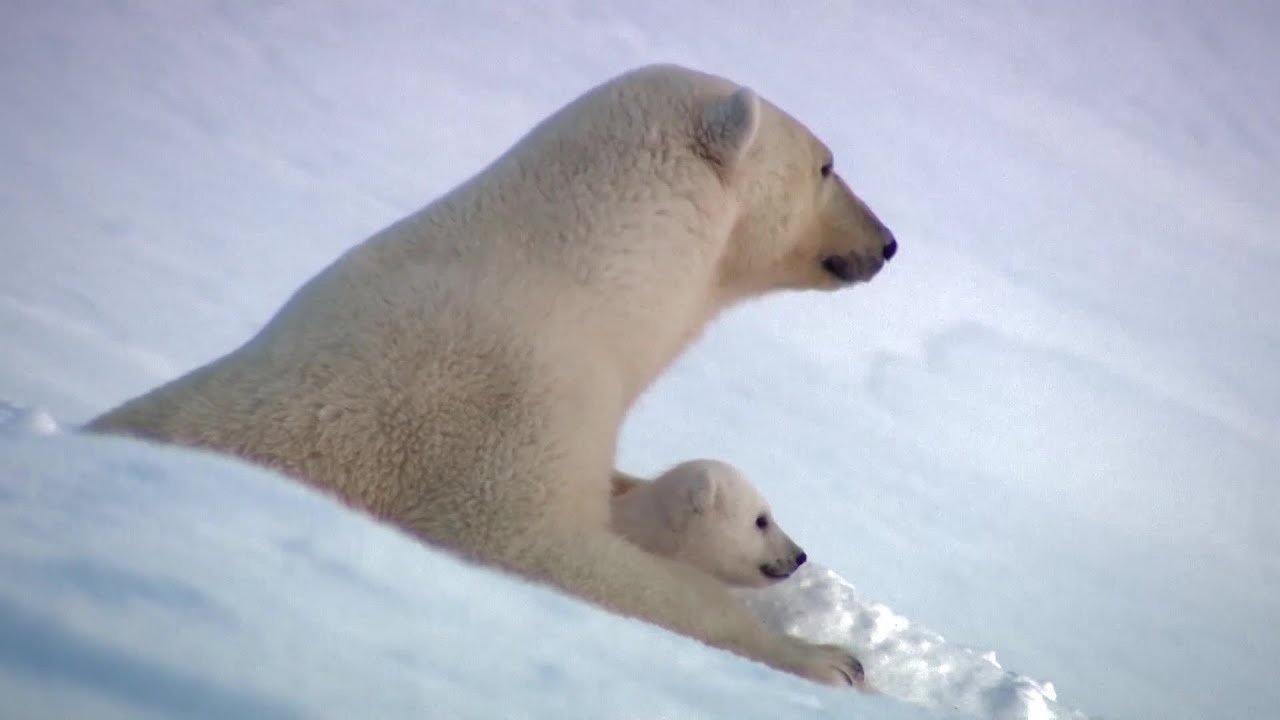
<point>701,493</point>
<point>728,127</point>
<point>694,495</point>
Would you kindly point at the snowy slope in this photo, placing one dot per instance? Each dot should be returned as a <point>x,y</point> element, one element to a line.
<point>1050,429</point>
<point>163,582</point>
<point>157,583</point>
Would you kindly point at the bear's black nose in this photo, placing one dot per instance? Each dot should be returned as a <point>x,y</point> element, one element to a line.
<point>890,245</point>
<point>801,558</point>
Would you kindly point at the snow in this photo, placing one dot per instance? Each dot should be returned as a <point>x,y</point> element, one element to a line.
<point>906,660</point>
<point>1049,430</point>
<point>149,579</point>
<point>148,582</point>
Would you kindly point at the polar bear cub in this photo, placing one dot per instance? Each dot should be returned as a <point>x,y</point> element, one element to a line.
<point>706,514</point>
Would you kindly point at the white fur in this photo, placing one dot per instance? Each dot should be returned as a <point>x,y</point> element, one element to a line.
<point>705,513</point>
<point>464,372</point>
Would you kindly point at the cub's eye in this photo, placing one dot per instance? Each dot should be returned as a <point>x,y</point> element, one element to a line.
<point>827,169</point>
<point>762,522</point>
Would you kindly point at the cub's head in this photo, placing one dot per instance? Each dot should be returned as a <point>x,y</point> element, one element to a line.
<point>799,226</point>
<point>723,526</point>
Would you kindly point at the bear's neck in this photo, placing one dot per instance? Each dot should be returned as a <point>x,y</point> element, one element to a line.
<point>632,284</point>
<point>642,335</point>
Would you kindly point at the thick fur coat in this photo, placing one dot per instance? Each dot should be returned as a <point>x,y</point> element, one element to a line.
<point>464,372</point>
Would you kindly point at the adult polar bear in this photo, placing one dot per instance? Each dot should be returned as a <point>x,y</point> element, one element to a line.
<point>464,372</point>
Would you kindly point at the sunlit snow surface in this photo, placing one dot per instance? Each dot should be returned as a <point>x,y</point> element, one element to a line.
<point>1051,429</point>
<point>902,659</point>
<point>147,581</point>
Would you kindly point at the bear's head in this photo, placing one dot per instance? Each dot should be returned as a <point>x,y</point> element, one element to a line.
<point>724,526</point>
<point>799,226</point>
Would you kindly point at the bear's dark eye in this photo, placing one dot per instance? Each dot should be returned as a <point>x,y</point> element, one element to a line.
<point>762,522</point>
<point>827,169</point>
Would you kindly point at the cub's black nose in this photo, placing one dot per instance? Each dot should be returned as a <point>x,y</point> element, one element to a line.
<point>890,245</point>
<point>801,558</point>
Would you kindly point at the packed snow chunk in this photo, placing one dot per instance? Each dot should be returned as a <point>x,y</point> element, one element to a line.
<point>19,420</point>
<point>902,659</point>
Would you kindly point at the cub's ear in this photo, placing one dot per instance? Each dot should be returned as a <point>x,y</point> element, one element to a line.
<point>693,495</point>
<point>700,492</point>
<point>728,128</point>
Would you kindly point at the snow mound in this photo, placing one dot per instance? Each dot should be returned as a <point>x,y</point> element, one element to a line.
<point>155,582</point>
<point>158,581</point>
<point>19,420</point>
<point>902,659</point>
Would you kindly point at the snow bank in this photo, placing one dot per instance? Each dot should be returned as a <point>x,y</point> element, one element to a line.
<point>904,659</point>
<point>157,581</point>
